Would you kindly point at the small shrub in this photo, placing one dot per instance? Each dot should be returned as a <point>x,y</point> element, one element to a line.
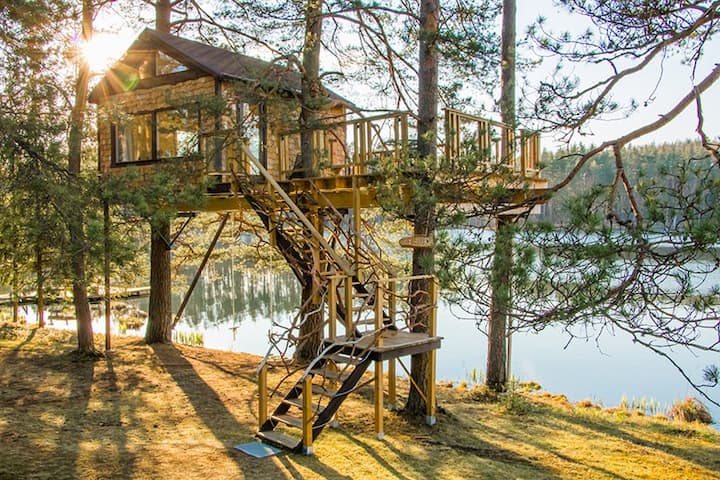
<point>481,393</point>
<point>513,400</point>
<point>690,410</point>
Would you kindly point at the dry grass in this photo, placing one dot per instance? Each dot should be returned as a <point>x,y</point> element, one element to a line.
<point>175,412</point>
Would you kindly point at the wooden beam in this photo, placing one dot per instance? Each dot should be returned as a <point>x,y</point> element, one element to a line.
<point>379,400</point>
<point>200,269</point>
<point>307,416</point>
<point>262,396</point>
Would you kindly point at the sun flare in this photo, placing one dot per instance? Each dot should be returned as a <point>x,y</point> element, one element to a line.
<point>105,48</point>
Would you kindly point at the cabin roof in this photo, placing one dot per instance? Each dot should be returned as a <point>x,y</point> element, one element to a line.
<point>216,62</point>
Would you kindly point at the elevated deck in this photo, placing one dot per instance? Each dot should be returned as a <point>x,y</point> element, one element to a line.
<point>352,158</point>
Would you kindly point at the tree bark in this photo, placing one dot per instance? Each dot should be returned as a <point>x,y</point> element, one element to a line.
<point>159,325</point>
<point>39,280</point>
<point>500,303</point>
<point>76,224</point>
<point>163,11</point>
<point>424,206</point>
<point>312,91</point>
<point>312,97</point>
<point>501,296</point>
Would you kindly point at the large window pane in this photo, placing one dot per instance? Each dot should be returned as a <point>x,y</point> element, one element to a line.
<point>134,139</point>
<point>177,133</point>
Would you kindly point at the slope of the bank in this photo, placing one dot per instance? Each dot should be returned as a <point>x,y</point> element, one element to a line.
<point>176,412</point>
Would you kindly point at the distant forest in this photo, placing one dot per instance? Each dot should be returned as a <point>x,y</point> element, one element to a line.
<point>644,163</point>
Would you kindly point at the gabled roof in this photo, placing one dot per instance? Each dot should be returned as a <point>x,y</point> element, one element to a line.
<point>214,61</point>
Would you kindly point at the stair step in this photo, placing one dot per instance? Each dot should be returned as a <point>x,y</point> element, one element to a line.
<point>288,420</point>
<point>320,390</point>
<point>329,374</point>
<point>297,402</point>
<point>279,439</point>
<point>339,358</point>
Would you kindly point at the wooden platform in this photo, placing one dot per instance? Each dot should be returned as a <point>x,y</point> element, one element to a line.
<point>391,344</point>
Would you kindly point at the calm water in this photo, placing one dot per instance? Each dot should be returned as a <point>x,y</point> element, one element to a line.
<point>232,309</point>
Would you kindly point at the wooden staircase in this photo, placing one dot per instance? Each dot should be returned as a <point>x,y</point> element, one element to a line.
<point>354,290</point>
<point>330,378</point>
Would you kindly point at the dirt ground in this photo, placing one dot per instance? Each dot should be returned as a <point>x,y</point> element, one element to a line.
<point>171,411</point>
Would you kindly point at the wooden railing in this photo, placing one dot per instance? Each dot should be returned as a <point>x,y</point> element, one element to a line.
<point>353,147</point>
<point>491,144</point>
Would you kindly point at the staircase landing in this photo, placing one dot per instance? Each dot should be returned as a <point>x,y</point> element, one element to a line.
<point>392,344</point>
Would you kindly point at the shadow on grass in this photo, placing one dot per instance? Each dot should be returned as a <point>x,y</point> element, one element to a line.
<point>48,396</point>
<point>693,454</point>
<point>312,463</point>
<point>207,404</point>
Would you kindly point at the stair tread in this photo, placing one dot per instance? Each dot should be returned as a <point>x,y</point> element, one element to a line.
<point>279,439</point>
<point>331,374</point>
<point>297,402</point>
<point>320,390</point>
<point>339,358</point>
<point>289,420</point>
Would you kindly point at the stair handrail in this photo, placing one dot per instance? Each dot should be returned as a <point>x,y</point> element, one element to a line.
<point>339,261</point>
<point>369,252</point>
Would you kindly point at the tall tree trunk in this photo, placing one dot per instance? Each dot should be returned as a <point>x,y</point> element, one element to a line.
<point>159,324</point>
<point>311,102</point>
<point>40,281</point>
<point>424,207</point>
<point>501,297</point>
<point>76,224</point>
<point>500,303</point>
<point>312,91</point>
<point>163,12</point>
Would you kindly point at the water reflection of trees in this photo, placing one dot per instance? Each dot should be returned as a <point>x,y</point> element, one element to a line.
<point>231,292</point>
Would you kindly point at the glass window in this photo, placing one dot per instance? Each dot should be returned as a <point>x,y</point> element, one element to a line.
<point>165,64</point>
<point>134,139</point>
<point>177,133</point>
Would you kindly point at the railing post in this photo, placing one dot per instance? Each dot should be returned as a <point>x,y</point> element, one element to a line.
<point>392,377</point>
<point>379,304</point>
<point>307,416</point>
<point>349,330</point>
<point>332,309</point>
<point>357,224</point>
<point>430,418</point>
<point>262,396</point>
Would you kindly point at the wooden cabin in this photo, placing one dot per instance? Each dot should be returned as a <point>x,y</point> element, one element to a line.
<point>233,120</point>
<point>170,98</point>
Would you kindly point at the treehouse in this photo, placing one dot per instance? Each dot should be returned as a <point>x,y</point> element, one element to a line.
<point>229,123</point>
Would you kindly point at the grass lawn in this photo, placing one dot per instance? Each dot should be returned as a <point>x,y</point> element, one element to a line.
<point>171,411</point>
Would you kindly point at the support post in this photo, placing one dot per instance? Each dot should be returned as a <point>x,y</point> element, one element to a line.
<point>307,416</point>
<point>431,401</point>
<point>392,376</point>
<point>392,385</point>
<point>357,223</point>
<point>262,396</point>
<point>332,309</point>
<point>106,268</point>
<point>200,269</point>
<point>379,400</point>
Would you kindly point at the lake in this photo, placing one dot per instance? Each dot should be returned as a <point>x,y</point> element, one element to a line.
<point>232,309</point>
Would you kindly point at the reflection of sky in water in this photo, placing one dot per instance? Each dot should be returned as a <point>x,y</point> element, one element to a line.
<point>232,312</point>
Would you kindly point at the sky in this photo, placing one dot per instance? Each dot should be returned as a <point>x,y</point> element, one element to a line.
<point>673,81</point>
<point>656,89</point>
